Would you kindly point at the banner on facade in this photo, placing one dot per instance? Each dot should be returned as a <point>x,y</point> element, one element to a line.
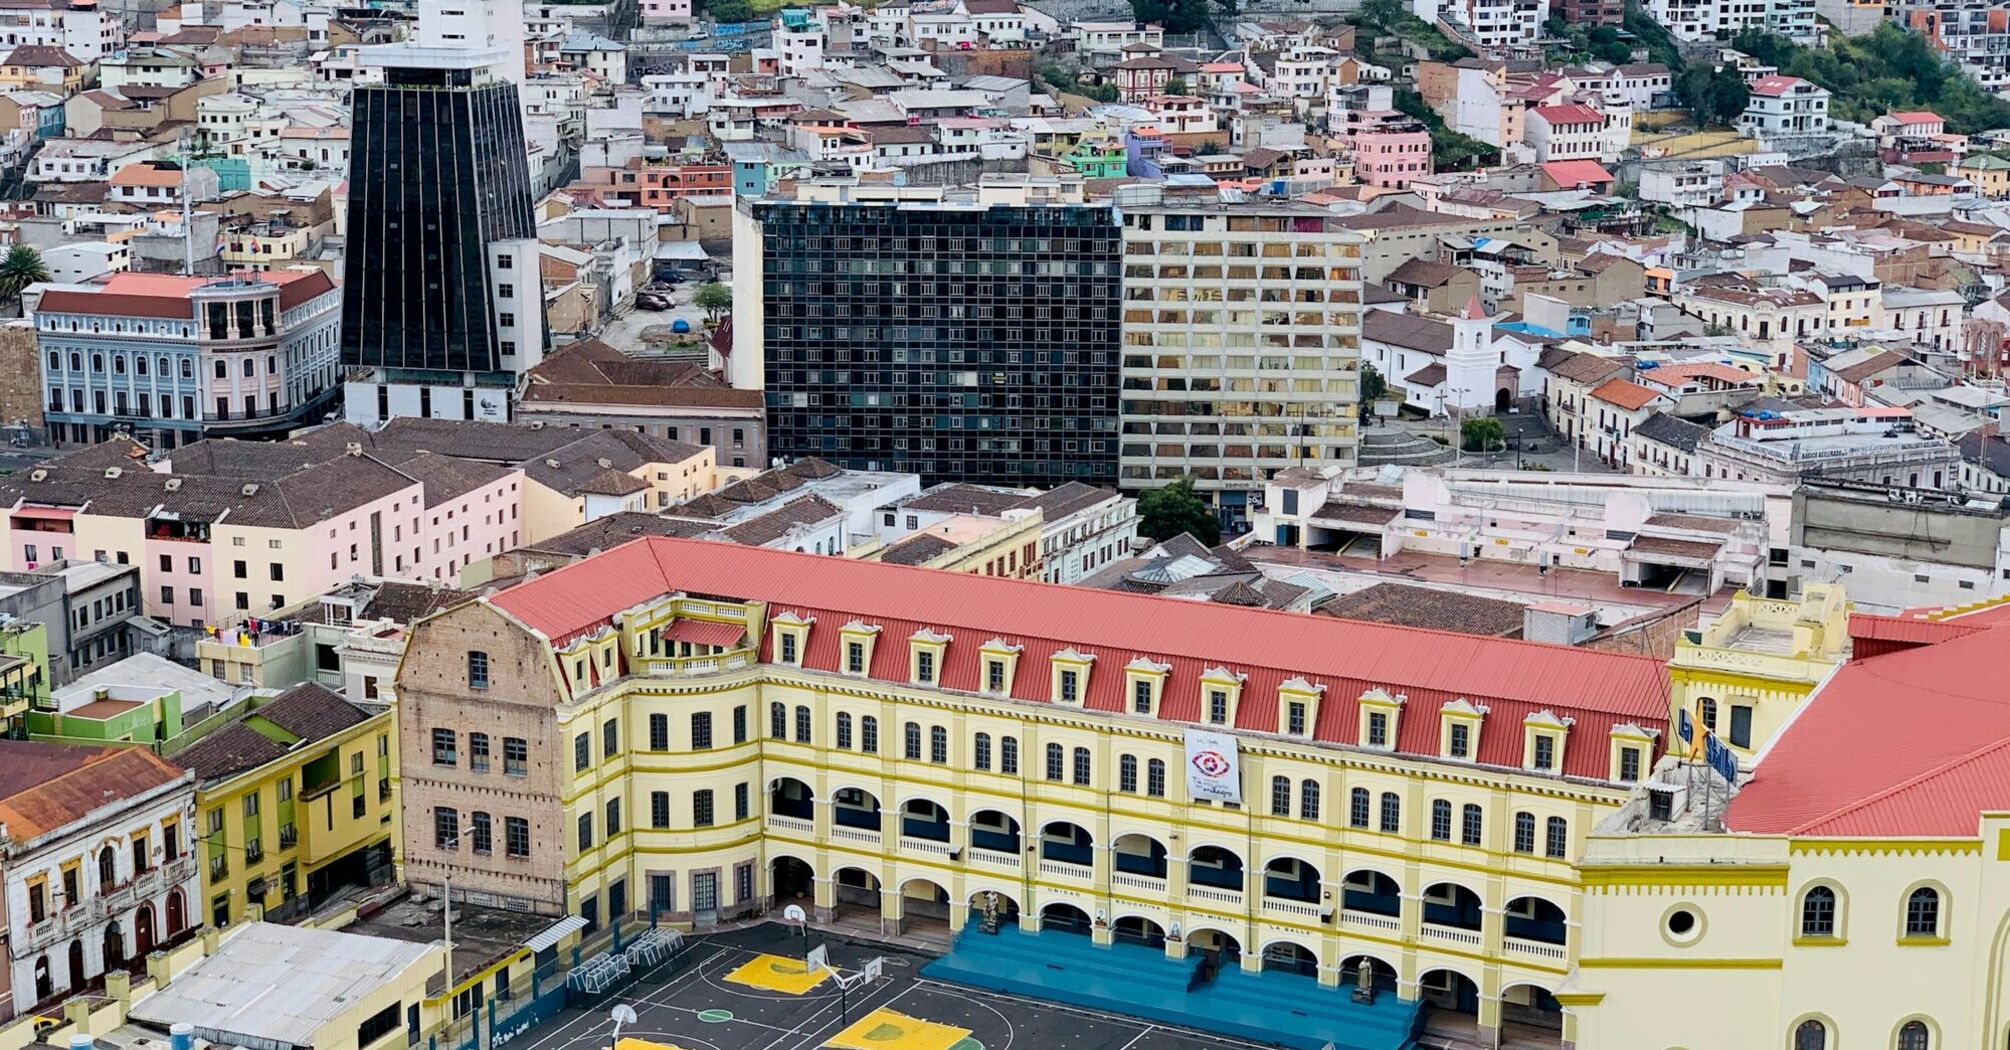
<point>1213,770</point>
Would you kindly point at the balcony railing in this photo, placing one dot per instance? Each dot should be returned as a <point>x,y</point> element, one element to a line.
<point>996,858</point>
<point>1215,895</point>
<point>1450,934</point>
<point>1061,869</point>
<point>1364,920</point>
<point>792,825</point>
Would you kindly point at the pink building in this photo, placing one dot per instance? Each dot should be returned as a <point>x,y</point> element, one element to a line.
<point>1390,148</point>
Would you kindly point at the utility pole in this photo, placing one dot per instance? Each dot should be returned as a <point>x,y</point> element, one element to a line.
<point>188,256</point>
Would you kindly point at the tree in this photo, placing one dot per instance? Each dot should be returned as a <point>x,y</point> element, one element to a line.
<point>1482,434</point>
<point>1373,387</point>
<point>715,299</point>
<point>1728,95</point>
<point>21,267</point>
<point>1167,512</point>
<point>1174,86</point>
<point>1607,47</point>
<point>730,10</point>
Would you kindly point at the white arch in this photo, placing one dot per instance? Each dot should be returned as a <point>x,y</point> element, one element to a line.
<point>1543,897</point>
<point>1422,971</point>
<point>1549,989</point>
<point>878,883</point>
<point>1158,921</point>
<point>1358,953</point>
<point>1231,850</point>
<point>779,777</point>
<point>912,879</point>
<point>1374,869</point>
<point>1004,892</point>
<point>1286,855</point>
<point>876,797</point>
<point>787,854</point>
<point>1211,928</point>
<point>901,806</point>
<point>1309,949</point>
<point>1045,824</point>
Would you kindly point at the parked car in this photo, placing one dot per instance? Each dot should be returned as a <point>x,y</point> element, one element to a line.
<point>653,301</point>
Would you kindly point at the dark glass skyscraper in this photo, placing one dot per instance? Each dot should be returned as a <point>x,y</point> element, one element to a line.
<point>437,176</point>
<point>955,341</point>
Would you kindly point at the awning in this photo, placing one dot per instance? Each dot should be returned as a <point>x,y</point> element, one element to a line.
<point>705,632</point>
<point>555,933</point>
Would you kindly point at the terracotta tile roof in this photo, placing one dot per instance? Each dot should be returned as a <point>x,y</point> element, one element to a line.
<point>1627,395</point>
<point>55,785</point>
<point>965,499</point>
<point>308,712</point>
<point>1408,331</point>
<point>1427,607</point>
<point>1516,679</point>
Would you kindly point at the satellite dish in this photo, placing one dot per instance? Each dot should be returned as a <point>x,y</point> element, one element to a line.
<point>623,1014</point>
<point>794,913</point>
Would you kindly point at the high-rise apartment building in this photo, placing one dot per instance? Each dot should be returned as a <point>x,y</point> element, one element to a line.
<point>968,335</point>
<point>442,293</point>
<point>1242,343</point>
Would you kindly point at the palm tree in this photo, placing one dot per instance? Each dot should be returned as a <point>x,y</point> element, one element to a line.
<point>21,267</point>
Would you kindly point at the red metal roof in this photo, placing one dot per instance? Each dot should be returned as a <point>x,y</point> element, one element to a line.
<point>1908,743</point>
<point>705,632</point>
<point>1573,113</point>
<point>1571,173</point>
<point>1514,679</point>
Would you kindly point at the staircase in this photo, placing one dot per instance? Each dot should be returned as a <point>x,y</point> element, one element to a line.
<point>1387,445</point>
<point>1277,1008</point>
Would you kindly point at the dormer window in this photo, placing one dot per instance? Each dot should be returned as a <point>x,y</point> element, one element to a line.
<point>1632,748</point>
<point>925,648</point>
<point>791,634</point>
<point>858,640</point>
<point>1380,712</point>
<point>1000,659</point>
<point>1221,688</point>
<point>1071,676</point>
<point>1298,707</point>
<point>1147,679</point>
<point>1544,736</point>
<point>1459,737</point>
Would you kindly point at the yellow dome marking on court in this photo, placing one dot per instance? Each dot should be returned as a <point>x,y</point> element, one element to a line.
<point>885,1029</point>
<point>775,973</point>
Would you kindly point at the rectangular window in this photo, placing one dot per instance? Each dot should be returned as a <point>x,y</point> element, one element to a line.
<point>1217,707</point>
<point>854,657</point>
<point>516,836</point>
<point>610,738</point>
<point>1461,740</point>
<point>446,828</point>
<point>516,756</point>
<point>478,752</point>
<point>1378,729</point>
<point>1392,812</point>
<point>1294,718</point>
<point>1068,685</point>
<point>1741,725</point>
<point>659,809</point>
<point>1545,751</point>
<point>1008,756</point>
<point>742,802</point>
<point>740,724</point>
<point>1082,766</point>
<point>613,817</point>
<point>659,732</point>
<point>788,647</point>
<point>994,676</point>
<point>585,832</point>
<point>1441,820</point>
<point>1055,760</point>
<point>478,670</point>
<point>701,730</point>
<point>582,752</point>
<point>924,666</point>
<point>701,808</point>
<point>1629,764</point>
<point>1141,697</point>
<point>444,753</point>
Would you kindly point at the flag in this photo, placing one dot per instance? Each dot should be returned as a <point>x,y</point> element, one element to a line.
<point>1685,730</point>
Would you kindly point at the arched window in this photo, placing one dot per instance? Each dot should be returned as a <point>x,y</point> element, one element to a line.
<point>1280,796</point>
<point>1056,756</point>
<point>1811,1035</point>
<point>1471,823</point>
<point>1914,1035</point>
<point>1556,837</point>
<point>1441,820</point>
<point>844,731</point>
<point>1008,755</point>
<point>910,736</point>
<point>1706,709</point>
<point>1357,808</point>
<point>938,745</point>
<point>1155,778</point>
<point>1127,774</point>
<point>1392,812</point>
<point>802,724</point>
<point>1524,832</point>
<point>1818,912</point>
<point>1082,766</point>
<point>1922,913</point>
<point>980,752</point>
<point>1308,800</point>
<point>778,720</point>
<point>108,872</point>
<point>868,734</point>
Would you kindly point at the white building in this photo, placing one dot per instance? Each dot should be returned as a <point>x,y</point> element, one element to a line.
<point>1683,184</point>
<point>1785,106</point>
<point>1568,132</point>
<point>99,863</point>
<point>1696,21</point>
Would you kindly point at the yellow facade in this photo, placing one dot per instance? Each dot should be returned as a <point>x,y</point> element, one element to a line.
<point>1745,973</point>
<point>1746,673</point>
<point>1428,909</point>
<point>274,828</point>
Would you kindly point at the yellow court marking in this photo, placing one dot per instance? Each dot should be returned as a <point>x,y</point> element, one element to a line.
<point>631,1043</point>
<point>885,1029</point>
<point>775,973</point>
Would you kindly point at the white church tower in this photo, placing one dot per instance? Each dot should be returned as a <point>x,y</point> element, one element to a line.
<point>1471,363</point>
